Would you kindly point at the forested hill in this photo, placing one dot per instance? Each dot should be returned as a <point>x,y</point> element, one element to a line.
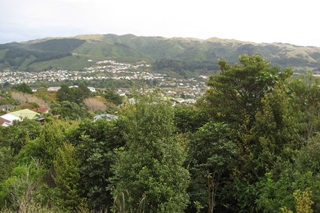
<point>77,52</point>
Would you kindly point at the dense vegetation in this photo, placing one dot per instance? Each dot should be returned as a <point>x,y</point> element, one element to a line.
<point>250,144</point>
<point>23,55</point>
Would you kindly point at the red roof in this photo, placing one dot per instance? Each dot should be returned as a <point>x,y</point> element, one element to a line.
<point>2,121</point>
<point>41,109</point>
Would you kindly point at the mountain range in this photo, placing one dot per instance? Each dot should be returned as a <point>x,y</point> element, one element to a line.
<point>75,53</point>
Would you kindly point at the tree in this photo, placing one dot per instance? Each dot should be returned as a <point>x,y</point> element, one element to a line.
<point>6,162</point>
<point>52,136</point>
<point>305,94</point>
<point>234,96</point>
<point>212,153</point>
<point>251,98</point>
<point>149,172</point>
<point>67,177</point>
<point>15,137</point>
<point>96,143</point>
<point>19,191</point>
<point>112,96</point>
<point>22,88</point>
<point>75,94</point>
<point>70,110</point>
<point>65,94</point>
<point>189,119</point>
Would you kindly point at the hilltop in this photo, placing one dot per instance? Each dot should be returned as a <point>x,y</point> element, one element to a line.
<point>75,53</point>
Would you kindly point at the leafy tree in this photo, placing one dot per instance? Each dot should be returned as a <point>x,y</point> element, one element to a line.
<point>305,94</point>
<point>112,96</point>
<point>22,88</point>
<point>96,143</point>
<point>273,137</point>
<point>235,95</point>
<point>52,137</point>
<point>6,162</point>
<point>149,176</point>
<point>189,119</point>
<point>16,136</point>
<point>70,110</point>
<point>67,177</point>
<point>251,98</point>
<point>81,93</point>
<point>74,94</point>
<point>65,94</point>
<point>212,153</point>
<point>20,189</point>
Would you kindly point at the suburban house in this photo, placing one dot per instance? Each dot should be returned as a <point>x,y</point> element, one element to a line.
<point>41,110</point>
<point>4,122</point>
<point>9,118</point>
<point>92,89</point>
<point>105,116</point>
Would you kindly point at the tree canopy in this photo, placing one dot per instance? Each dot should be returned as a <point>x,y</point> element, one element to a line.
<point>251,143</point>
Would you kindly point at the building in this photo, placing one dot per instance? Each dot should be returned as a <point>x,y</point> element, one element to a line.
<point>9,118</point>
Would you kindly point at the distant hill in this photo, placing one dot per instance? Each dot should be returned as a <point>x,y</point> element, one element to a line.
<point>178,54</point>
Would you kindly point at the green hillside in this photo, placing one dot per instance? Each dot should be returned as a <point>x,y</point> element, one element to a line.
<point>165,53</point>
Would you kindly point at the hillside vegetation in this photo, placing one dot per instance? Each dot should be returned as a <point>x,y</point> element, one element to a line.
<point>251,143</point>
<point>165,53</point>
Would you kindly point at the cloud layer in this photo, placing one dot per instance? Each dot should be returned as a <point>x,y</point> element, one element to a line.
<point>258,21</point>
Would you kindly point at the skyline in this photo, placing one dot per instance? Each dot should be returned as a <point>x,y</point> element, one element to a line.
<point>261,22</point>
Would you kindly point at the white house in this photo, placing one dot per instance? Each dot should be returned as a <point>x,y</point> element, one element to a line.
<point>9,118</point>
<point>92,89</point>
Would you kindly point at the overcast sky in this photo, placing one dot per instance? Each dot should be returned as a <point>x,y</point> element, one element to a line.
<point>286,21</point>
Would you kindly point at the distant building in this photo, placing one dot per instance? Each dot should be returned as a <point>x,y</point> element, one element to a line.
<point>26,113</point>
<point>53,89</point>
<point>4,122</point>
<point>41,110</point>
<point>7,108</point>
<point>92,89</point>
<point>105,116</point>
<point>9,118</point>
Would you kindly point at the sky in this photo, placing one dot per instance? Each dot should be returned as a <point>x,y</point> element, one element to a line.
<point>261,21</point>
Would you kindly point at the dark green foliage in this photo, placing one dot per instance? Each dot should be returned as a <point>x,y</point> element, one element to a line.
<point>251,144</point>
<point>149,176</point>
<point>17,54</point>
<point>16,136</point>
<point>182,66</point>
<point>22,88</point>
<point>251,98</point>
<point>234,95</point>
<point>70,111</point>
<point>96,142</point>
<point>6,162</point>
<point>305,94</point>
<point>67,177</point>
<point>57,45</point>
<point>52,136</point>
<point>15,57</point>
<point>65,94</point>
<point>20,189</point>
<point>74,94</point>
<point>112,96</point>
<point>211,156</point>
<point>188,119</point>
